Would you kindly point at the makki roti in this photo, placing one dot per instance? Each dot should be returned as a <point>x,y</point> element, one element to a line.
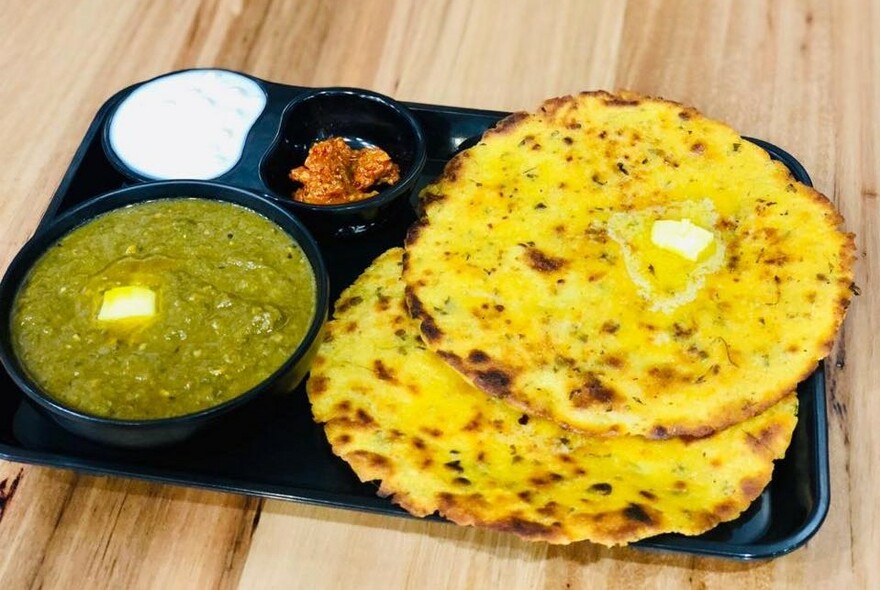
<point>533,271</point>
<point>397,413</point>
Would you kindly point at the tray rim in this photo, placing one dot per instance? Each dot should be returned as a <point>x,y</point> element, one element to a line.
<point>817,429</point>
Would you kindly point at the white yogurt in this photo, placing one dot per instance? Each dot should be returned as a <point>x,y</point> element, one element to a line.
<point>190,125</point>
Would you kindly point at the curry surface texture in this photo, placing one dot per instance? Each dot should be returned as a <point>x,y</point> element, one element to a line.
<point>532,271</point>
<point>397,413</point>
<point>235,295</point>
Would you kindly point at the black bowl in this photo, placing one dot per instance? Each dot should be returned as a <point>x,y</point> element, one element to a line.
<point>363,119</point>
<point>165,431</point>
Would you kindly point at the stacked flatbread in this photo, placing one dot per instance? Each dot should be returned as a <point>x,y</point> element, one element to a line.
<point>534,363</point>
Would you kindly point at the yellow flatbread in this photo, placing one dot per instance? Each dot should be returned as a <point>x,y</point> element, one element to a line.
<point>399,415</point>
<point>534,273</point>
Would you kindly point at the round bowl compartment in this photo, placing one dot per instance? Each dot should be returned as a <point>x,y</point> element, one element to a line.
<point>363,119</point>
<point>163,431</point>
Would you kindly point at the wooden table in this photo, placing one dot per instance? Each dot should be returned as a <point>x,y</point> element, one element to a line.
<point>802,74</point>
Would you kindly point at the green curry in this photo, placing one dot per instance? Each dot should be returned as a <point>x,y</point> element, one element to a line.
<point>233,296</point>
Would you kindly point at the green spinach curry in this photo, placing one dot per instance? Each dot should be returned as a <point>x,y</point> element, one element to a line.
<point>163,309</point>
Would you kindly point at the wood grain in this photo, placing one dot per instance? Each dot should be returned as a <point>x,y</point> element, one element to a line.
<point>802,74</point>
<point>118,533</point>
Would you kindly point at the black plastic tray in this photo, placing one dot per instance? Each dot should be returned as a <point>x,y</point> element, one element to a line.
<point>284,454</point>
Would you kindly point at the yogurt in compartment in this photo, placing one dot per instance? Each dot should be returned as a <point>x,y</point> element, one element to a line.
<point>190,125</point>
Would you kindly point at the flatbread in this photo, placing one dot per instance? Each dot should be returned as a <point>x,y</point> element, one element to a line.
<point>400,415</point>
<point>533,274</point>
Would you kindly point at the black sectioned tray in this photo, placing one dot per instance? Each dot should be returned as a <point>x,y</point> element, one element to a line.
<point>277,450</point>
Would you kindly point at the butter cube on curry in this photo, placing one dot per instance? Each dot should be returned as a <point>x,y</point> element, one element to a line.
<point>121,303</point>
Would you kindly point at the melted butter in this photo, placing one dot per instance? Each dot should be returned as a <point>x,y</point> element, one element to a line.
<point>681,236</point>
<point>126,303</point>
<point>663,277</point>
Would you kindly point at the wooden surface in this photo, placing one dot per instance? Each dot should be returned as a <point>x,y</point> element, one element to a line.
<point>801,74</point>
